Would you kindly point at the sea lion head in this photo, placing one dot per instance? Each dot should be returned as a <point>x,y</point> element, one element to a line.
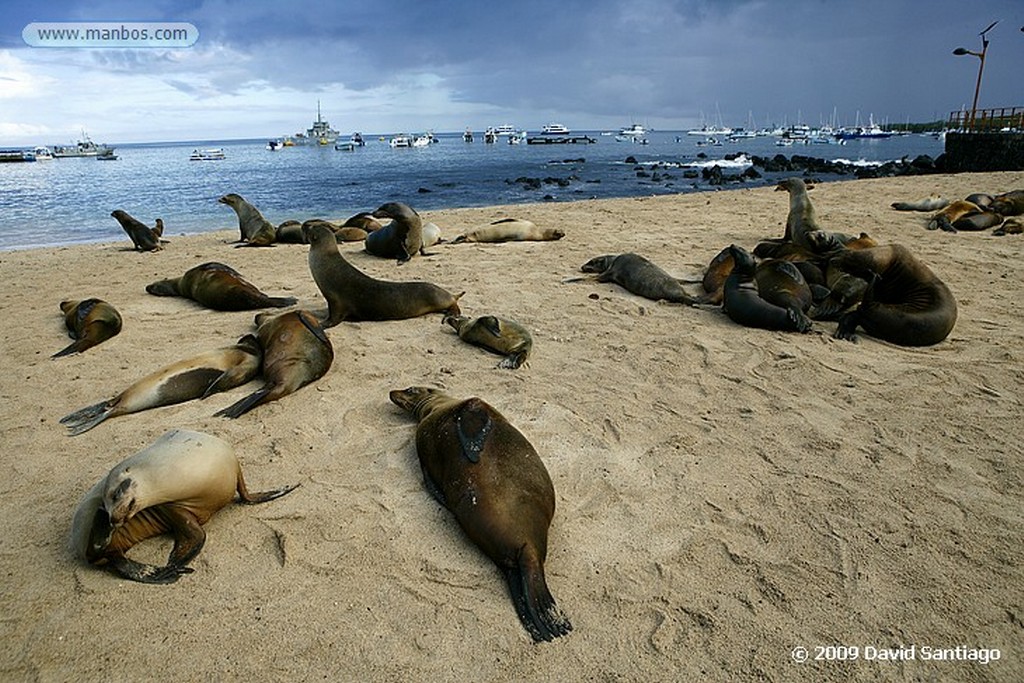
<point>395,211</point>
<point>556,233</point>
<point>417,400</point>
<point>822,242</point>
<point>121,497</point>
<point>743,260</point>
<point>598,264</point>
<point>164,287</point>
<point>792,185</point>
<point>317,232</point>
<point>231,199</point>
<point>456,321</point>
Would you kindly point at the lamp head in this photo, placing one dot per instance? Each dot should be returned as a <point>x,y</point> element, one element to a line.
<point>960,51</point>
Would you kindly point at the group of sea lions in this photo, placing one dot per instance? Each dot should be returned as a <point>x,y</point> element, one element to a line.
<point>474,461</point>
<point>978,211</point>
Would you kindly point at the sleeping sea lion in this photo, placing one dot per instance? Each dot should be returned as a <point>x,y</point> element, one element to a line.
<point>905,302</point>
<point>364,221</point>
<point>173,486</point>
<point>289,232</point>
<point>499,335</point>
<point>255,230</point>
<point>352,295</point>
<point>1008,203</point>
<point>400,239</point>
<point>510,230</point>
<point>196,377</point>
<point>341,233</point>
<point>639,276</point>
<point>89,322</point>
<point>947,218</point>
<point>772,295</point>
<point>480,467</point>
<point>219,287</point>
<point>296,351</point>
<point>931,203</point>
<point>1011,226</point>
<point>143,237</point>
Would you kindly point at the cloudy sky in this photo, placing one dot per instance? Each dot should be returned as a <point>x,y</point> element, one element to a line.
<point>378,66</point>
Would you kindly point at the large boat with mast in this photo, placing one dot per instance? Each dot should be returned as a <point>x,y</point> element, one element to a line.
<point>85,147</point>
<point>320,133</point>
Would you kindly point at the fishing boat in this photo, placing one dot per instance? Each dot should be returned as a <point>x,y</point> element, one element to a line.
<point>320,133</point>
<point>872,130</point>
<point>211,154</point>
<point>83,148</point>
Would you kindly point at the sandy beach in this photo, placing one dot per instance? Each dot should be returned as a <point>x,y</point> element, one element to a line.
<point>725,495</point>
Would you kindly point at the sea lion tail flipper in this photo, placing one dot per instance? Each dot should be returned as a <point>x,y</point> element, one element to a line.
<point>281,301</point>
<point>77,346</point>
<point>533,601</point>
<point>458,239</point>
<point>146,573</point>
<point>491,324</point>
<point>474,423</point>
<point>252,498</point>
<point>513,361</point>
<point>245,405</point>
<point>85,419</point>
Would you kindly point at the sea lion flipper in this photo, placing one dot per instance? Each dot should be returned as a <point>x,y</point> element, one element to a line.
<point>254,497</point>
<point>86,418</point>
<point>146,573</point>
<point>491,324</point>
<point>433,488</point>
<point>534,603</point>
<point>513,361</point>
<point>474,423</point>
<point>244,405</point>
<point>189,536</point>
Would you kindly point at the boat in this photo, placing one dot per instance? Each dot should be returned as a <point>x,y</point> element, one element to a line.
<point>468,135</point>
<point>345,146</point>
<point>505,129</point>
<point>633,131</point>
<point>554,129</point>
<point>872,130</point>
<point>319,133</point>
<point>43,153</point>
<point>422,140</point>
<point>16,155</point>
<point>83,148</point>
<point>357,139</point>
<point>107,156</point>
<point>490,136</point>
<point>274,145</point>
<point>710,141</point>
<point>400,140</point>
<point>211,154</point>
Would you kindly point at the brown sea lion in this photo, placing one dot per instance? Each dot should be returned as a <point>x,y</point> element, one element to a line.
<point>1008,203</point>
<point>89,322</point>
<point>713,281</point>
<point>296,351</point>
<point>400,239</point>
<point>480,467</point>
<point>352,295</point>
<point>802,218</point>
<point>947,218</point>
<point>931,203</point>
<point>196,377</point>
<point>219,287</point>
<point>1011,226</point>
<point>255,230</point>
<point>289,232</point>
<point>639,276</point>
<point>905,302</point>
<point>143,237</point>
<point>499,335</point>
<point>772,295</point>
<point>364,221</point>
<point>510,230</point>
<point>173,486</point>
<point>975,222</point>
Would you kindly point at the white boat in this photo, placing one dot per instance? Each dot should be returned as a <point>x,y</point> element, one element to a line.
<point>422,140</point>
<point>633,131</point>
<point>505,129</point>
<point>83,148</point>
<point>490,135</point>
<point>43,153</point>
<point>516,138</point>
<point>710,131</point>
<point>555,129</point>
<point>400,140</point>
<point>211,154</point>
<point>468,135</point>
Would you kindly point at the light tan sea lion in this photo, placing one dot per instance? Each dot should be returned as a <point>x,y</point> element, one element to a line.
<point>802,218</point>
<point>947,217</point>
<point>173,486</point>
<point>510,230</point>
<point>219,287</point>
<point>89,322</point>
<point>352,295</point>
<point>255,230</point>
<point>498,335</point>
<point>296,351</point>
<point>196,377</point>
<point>931,203</point>
<point>480,467</point>
<point>400,239</point>
<point>143,237</point>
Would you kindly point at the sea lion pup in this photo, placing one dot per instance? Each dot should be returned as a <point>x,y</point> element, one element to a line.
<point>772,295</point>
<point>143,237</point>
<point>363,220</point>
<point>488,474</point>
<point>905,302</point>
<point>89,322</point>
<point>930,203</point>
<point>196,377</point>
<point>218,286</point>
<point>802,218</point>
<point>173,486</point>
<point>639,276</point>
<point>947,218</point>
<point>1011,226</point>
<point>352,295</point>
<point>255,230</point>
<point>289,232</point>
<point>1008,203</point>
<point>400,239</point>
<point>498,335</point>
<point>296,351</point>
<point>510,230</point>
<point>431,235</point>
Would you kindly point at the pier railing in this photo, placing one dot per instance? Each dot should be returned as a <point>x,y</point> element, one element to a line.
<point>987,120</point>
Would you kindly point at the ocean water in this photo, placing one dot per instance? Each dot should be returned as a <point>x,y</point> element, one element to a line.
<point>68,201</point>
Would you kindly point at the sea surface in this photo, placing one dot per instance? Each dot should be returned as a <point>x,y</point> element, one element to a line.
<point>68,201</point>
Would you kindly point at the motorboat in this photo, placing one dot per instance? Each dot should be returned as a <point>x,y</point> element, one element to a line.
<point>211,154</point>
<point>422,140</point>
<point>633,131</point>
<point>401,140</point>
<point>555,129</point>
<point>504,129</point>
<point>107,155</point>
<point>274,145</point>
<point>468,135</point>
<point>43,153</point>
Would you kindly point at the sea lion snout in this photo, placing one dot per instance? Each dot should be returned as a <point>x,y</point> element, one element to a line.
<point>121,503</point>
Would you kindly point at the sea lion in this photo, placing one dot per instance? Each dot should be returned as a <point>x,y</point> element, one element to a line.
<point>364,221</point>
<point>772,295</point>
<point>1011,226</point>
<point>931,203</point>
<point>400,239</point>
<point>143,237</point>
<point>802,218</point>
<point>713,281</point>
<point>175,485</point>
<point>482,469</point>
<point>196,377</point>
<point>1008,203</point>
<point>296,351</point>
<point>289,232</point>
<point>352,295</point>
<point>638,275</point>
<point>89,322</point>
<point>255,230</point>
<point>510,230</point>
<point>905,302</point>
<point>499,335</point>
<point>974,222</point>
<point>219,287</point>
<point>947,218</point>
<point>431,235</point>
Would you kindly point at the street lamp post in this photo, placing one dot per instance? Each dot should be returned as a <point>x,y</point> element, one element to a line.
<point>981,67</point>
